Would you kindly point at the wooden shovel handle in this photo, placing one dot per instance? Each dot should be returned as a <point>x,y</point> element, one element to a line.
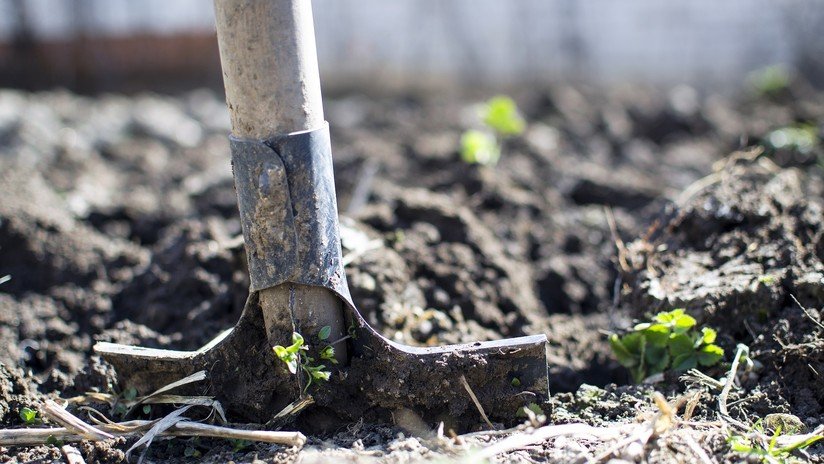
<point>270,66</point>
<point>270,72</point>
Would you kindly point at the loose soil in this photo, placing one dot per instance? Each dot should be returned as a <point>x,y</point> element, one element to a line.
<point>118,222</point>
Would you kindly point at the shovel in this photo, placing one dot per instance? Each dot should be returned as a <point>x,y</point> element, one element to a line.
<point>282,165</point>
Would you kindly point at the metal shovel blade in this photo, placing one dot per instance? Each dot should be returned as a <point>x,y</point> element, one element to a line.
<point>289,179</point>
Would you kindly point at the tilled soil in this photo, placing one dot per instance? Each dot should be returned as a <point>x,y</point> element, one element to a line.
<point>118,222</point>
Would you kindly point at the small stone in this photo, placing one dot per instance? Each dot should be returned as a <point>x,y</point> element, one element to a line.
<point>633,452</point>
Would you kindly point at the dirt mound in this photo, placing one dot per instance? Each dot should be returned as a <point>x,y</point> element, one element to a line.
<point>743,253</point>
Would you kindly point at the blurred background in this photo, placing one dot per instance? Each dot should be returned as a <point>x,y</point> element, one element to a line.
<point>375,45</point>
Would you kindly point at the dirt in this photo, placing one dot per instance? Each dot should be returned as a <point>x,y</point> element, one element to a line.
<point>118,222</point>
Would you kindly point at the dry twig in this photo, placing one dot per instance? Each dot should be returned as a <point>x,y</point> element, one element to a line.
<point>696,448</point>
<point>33,437</point>
<point>72,455</point>
<point>159,426</point>
<point>742,350</point>
<point>475,400</point>
<point>58,414</point>
<point>619,244</point>
<point>815,321</point>
<point>545,433</point>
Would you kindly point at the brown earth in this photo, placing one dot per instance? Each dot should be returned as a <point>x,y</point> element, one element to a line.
<point>118,222</point>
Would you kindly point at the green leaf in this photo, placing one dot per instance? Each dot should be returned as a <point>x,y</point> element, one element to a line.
<point>130,394</point>
<point>684,362</point>
<point>297,343</point>
<point>318,373</point>
<point>327,353</point>
<point>239,444</point>
<point>634,342</point>
<point>657,359</point>
<point>28,415</point>
<point>288,356</point>
<point>530,407</point>
<point>802,138</point>
<point>292,364</point>
<point>281,352</point>
<point>479,147</point>
<point>147,409</point>
<point>680,344</point>
<point>683,323</point>
<point>740,444</point>
<point>657,334</point>
<point>501,114</point>
<point>622,354</point>
<point>324,333</point>
<point>666,317</point>
<point>639,373</point>
<point>516,382</point>
<point>708,335</point>
<point>710,354</point>
<point>774,439</point>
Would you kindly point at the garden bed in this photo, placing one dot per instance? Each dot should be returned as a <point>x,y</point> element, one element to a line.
<point>118,222</point>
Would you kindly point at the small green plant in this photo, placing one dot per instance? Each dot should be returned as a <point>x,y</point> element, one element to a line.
<point>501,114</point>
<point>770,81</point>
<point>767,279</point>
<point>670,341</point>
<point>126,396</point>
<point>290,355</point>
<point>501,119</point>
<point>239,444</point>
<point>130,394</point>
<point>479,147</point>
<point>192,452</point>
<point>296,355</point>
<point>770,451</point>
<point>29,416</point>
<point>531,407</point>
<point>802,138</point>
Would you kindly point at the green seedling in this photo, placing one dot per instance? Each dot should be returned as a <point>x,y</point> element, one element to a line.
<point>29,416</point>
<point>290,355</point>
<point>766,279</point>
<point>296,355</point>
<point>772,451</point>
<point>533,407</point>
<point>501,114</point>
<point>670,341</point>
<point>802,138</point>
<point>127,396</point>
<point>191,452</point>
<point>479,147</point>
<point>130,394</point>
<point>239,444</point>
<point>501,119</point>
<point>770,81</point>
